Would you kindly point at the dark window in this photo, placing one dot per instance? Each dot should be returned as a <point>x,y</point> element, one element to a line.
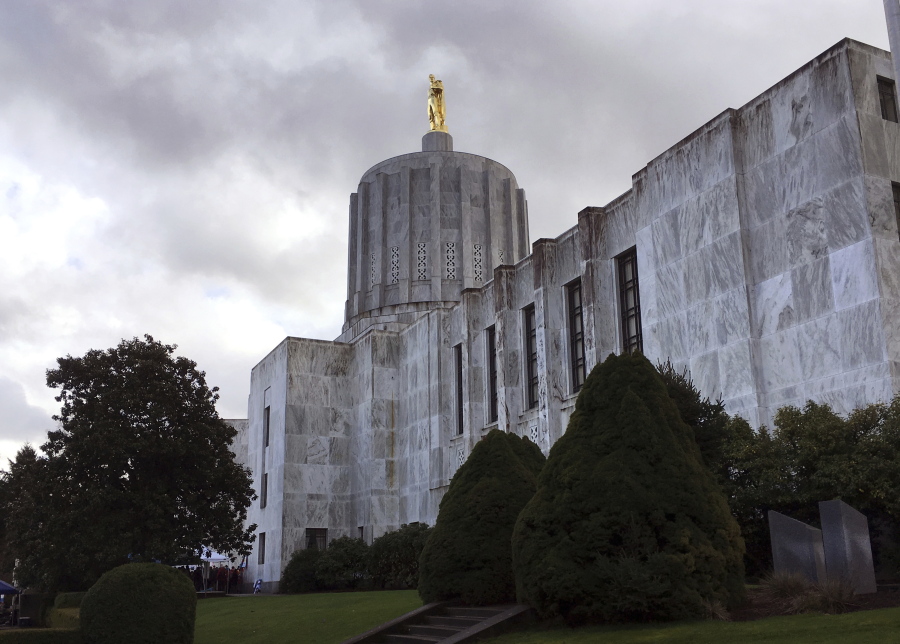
<point>316,538</point>
<point>531,362</point>
<point>362,532</point>
<point>457,350</point>
<point>630,302</point>
<point>576,334</point>
<point>266,427</point>
<point>896,189</point>
<point>492,373</point>
<point>887,92</point>
<point>264,492</point>
<point>261,553</point>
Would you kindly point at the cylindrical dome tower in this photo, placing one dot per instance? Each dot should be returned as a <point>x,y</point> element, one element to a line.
<point>423,227</point>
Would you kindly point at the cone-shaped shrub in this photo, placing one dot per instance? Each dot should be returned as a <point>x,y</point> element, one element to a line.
<point>467,556</point>
<point>626,524</point>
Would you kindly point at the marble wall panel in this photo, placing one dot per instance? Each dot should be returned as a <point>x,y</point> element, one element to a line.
<point>864,91</point>
<point>807,239</point>
<point>875,145</point>
<point>811,289</point>
<point>701,332</point>
<point>844,214</point>
<point>670,294</point>
<point>801,175</point>
<point>731,316</point>
<point>727,265</point>
<point>648,291</point>
<point>791,117</point>
<point>880,207</point>
<point>757,133</point>
<point>705,374</point>
<point>671,332</point>
<point>848,549</point>
<point>779,359</point>
<point>768,251</point>
<point>887,260</point>
<point>892,148</point>
<point>830,91</point>
<point>890,311</point>
<point>666,239</point>
<point>838,152</point>
<point>736,370</point>
<point>645,253</point>
<point>699,278</point>
<point>853,275</point>
<point>773,308</point>
<point>762,192</point>
<point>862,335</point>
<point>819,347</point>
<point>796,547</point>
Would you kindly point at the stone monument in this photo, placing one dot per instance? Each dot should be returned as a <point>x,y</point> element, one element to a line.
<point>848,550</point>
<point>796,547</point>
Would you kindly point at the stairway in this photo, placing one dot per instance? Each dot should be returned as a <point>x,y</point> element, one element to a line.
<point>445,623</point>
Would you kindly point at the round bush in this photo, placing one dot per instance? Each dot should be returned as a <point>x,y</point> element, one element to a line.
<point>139,603</point>
<point>299,575</point>
<point>343,564</point>
<point>626,523</point>
<point>393,558</point>
<point>467,556</point>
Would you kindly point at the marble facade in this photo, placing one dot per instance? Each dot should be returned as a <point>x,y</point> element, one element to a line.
<point>768,260</point>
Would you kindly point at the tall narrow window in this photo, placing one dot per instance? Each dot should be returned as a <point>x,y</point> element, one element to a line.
<point>895,187</point>
<point>261,552</point>
<point>316,538</point>
<point>457,350</point>
<point>266,414</point>
<point>630,301</point>
<point>491,348</point>
<point>264,492</point>
<point>887,92</point>
<point>576,334</point>
<point>531,362</point>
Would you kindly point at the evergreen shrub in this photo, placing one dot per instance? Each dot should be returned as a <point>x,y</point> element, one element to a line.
<point>393,559</point>
<point>68,600</point>
<point>139,603</point>
<point>468,556</point>
<point>342,565</point>
<point>299,575</point>
<point>626,523</point>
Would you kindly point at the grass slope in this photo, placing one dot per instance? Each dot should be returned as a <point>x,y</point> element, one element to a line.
<point>864,627</point>
<point>323,618</point>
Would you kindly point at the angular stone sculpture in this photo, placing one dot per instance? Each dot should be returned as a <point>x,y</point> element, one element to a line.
<point>848,550</point>
<point>796,547</point>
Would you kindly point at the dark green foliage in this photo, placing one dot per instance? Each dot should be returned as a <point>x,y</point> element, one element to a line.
<point>626,523</point>
<point>299,575</point>
<point>342,565</point>
<point>68,600</point>
<point>140,468</point>
<point>139,603</point>
<point>394,556</point>
<point>467,555</point>
<point>813,455</point>
<point>707,419</point>
<point>27,636</point>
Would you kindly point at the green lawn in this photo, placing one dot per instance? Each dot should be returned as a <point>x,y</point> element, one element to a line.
<point>326,618</point>
<point>865,627</point>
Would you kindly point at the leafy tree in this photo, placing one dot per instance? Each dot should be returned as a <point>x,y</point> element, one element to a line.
<point>626,523</point>
<point>467,555</point>
<point>138,470</point>
<point>393,559</point>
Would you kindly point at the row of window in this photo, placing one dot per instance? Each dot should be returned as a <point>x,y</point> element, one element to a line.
<point>630,319</point>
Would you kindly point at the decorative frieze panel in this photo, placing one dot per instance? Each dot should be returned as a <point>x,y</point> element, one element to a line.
<point>451,260</point>
<point>395,264</point>
<point>372,271</point>
<point>500,256</point>
<point>476,261</point>
<point>533,432</point>
<point>422,260</point>
<point>460,457</point>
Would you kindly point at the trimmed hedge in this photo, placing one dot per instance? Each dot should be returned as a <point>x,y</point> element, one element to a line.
<point>140,603</point>
<point>41,636</point>
<point>68,600</point>
<point>342,565</point>
<point>394,556</point>
<point>626,524</point>
<point>468,556</point>
<point>299,575</point>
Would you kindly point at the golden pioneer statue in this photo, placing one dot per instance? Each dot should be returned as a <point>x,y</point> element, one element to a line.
<point>437,114</point>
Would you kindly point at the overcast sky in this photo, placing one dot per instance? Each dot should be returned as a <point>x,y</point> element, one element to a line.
<point>183,168</point>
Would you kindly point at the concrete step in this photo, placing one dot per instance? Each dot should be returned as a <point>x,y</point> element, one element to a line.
<point>441,631</point>
<point>447,620</point>
<point>397,638</point>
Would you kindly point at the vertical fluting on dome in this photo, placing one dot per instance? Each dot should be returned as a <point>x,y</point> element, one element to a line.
<point>425,226</point>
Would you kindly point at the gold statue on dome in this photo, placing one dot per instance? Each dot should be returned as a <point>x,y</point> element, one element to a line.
<point>437,114</point>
